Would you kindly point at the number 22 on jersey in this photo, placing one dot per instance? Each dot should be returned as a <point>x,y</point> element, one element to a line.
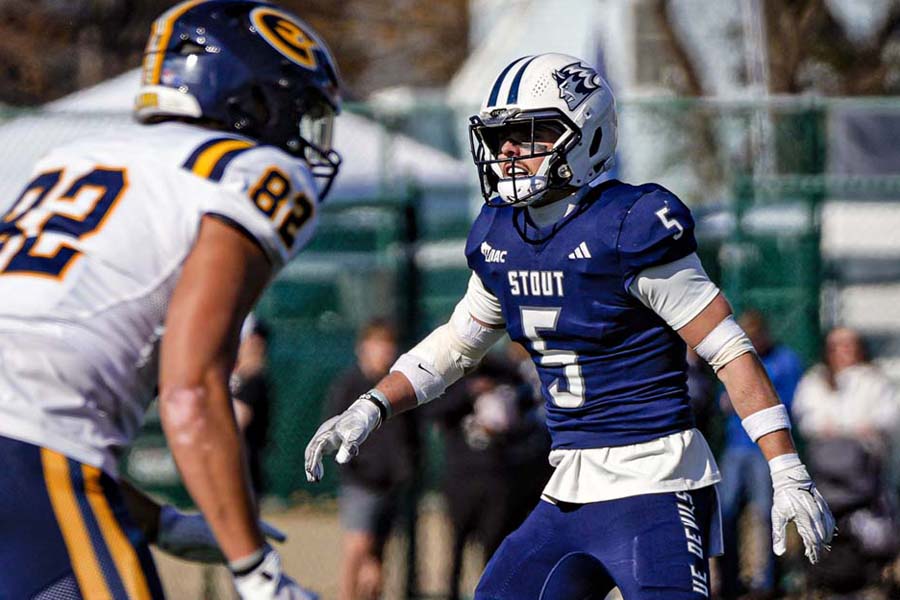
<point>46,216</point>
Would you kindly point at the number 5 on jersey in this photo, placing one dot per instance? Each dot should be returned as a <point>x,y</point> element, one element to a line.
<point>663,215</point>
<point>535,320</point>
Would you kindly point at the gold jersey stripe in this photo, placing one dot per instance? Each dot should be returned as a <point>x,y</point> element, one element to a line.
<point>71,523</point>
<point>209,158</point>
<point>123,554</point>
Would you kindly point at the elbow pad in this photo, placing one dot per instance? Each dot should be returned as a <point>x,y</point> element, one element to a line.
<point>724,343</point>
<point>448,353</point>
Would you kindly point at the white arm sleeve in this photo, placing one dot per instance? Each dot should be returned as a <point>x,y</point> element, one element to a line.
<point>455,347</point>
<point>677,291</point>
<point>482,304</point>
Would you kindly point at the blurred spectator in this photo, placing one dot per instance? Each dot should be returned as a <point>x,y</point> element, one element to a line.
<point>528,442</point>
<point>372,484</point>
<point>849,413</point>
<point>745,472</point>
<point>496,456</point>
<point>250,390</point>
<point>701,383</point>
<point>847,396</point>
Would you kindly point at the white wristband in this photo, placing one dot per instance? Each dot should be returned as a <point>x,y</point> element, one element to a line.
<point>784,461</point>
<point>766,421</point>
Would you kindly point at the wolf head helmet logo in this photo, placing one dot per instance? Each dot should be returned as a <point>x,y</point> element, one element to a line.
<point>576,82</point>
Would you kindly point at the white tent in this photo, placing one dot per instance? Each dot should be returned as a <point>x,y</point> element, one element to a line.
<point>375,161</point>
<point>508,30</point>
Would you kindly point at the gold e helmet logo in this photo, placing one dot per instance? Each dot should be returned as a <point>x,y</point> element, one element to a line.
<point>285,35</point>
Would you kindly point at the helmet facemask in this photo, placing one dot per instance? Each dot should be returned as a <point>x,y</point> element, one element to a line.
<point>315,131</point>
<point>548,134</point>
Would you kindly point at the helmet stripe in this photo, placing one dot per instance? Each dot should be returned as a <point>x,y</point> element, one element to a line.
<point>514,88</point>
<point>495,92</point>
<point>211,158</point>
<point>160,37</point>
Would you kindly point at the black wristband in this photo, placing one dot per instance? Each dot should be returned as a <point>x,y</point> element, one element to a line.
<point>248,564</point>
<point>379,400</point>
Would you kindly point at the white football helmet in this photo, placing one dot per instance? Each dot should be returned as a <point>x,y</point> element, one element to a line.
<point>556,94</point>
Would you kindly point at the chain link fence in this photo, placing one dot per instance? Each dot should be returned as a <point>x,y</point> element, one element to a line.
<point>790,220</point>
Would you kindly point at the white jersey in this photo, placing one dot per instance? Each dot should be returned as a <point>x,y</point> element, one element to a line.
<point>90,254</point>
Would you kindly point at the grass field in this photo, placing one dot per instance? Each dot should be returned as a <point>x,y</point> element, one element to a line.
<point>312,554</point>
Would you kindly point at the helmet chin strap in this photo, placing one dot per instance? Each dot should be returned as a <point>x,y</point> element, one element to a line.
<point>522,189</point>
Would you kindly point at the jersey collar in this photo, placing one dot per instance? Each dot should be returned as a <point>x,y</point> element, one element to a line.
<point>532,233</point>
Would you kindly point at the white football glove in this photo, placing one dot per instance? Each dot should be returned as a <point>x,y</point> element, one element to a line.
<point>188,536</point>
<point>797,499</point>
<point>343,433</point>
<point>267,581</point>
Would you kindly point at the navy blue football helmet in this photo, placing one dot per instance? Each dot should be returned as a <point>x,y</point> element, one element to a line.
<point>249,67</point>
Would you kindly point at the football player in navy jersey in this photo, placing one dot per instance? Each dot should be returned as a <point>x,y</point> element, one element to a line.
<point>599,279</point>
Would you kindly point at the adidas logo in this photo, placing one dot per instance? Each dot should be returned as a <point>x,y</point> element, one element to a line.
<point>580,252</point>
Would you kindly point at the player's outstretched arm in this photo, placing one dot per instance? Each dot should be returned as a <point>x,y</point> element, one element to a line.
<point>220,281</point>
<point>718,339</point>
<point>419,376</point>
<point>185,535</point>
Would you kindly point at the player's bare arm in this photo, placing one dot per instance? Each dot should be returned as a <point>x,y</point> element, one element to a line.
<point>222,277</point>
<point>766,420</point>
<point>744,377</point>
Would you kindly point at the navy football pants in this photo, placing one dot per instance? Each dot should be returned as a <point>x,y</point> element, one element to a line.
<point>654,546</point>
<point>65,533</point>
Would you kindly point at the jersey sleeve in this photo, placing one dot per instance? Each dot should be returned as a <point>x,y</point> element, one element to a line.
<point>482,303</point>
<point>677,291</point>
<point>658,229</point>
<point>477,233</point>
<point>269,196</point>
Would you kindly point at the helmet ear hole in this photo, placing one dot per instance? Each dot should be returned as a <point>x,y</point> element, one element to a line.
<point>595,142</point>
<point>248,110</point>
<point>257,106</point>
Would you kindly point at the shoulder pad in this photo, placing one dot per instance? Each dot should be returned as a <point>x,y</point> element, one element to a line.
<point>266,192</point>
<point>657,229</point>
<point>479,230</point>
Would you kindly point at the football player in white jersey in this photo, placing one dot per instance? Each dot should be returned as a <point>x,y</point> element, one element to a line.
<point>600,281</point>
<point>129,261</point>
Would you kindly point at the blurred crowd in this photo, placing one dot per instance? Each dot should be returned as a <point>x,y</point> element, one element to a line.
<point>846,417</point>
<point>495,460</point>
<point>846,420</point>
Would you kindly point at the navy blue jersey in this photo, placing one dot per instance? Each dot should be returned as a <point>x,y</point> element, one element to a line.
<point>612,372</point>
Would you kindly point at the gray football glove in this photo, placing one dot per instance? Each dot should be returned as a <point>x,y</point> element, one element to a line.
<point>342,434</point>
<point>188,536</point>
<point>797,499</point>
